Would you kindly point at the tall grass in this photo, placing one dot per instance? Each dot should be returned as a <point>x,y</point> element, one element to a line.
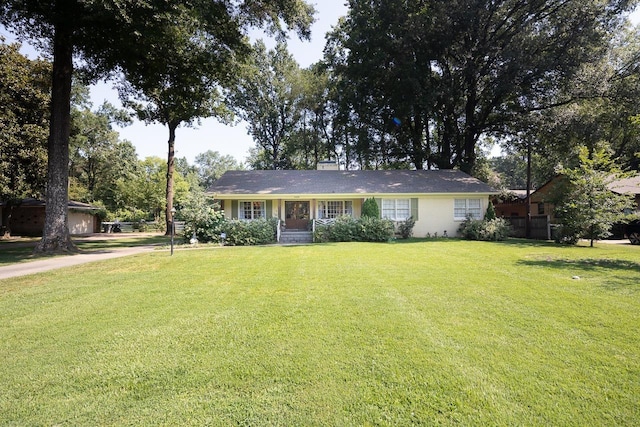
<point>434,332</point>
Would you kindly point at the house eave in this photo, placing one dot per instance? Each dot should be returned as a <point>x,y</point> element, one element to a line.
<point>296,196</point>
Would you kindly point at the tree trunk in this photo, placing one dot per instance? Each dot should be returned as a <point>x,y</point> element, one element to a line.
<point>469,148</point>
<point>55,235</point>
<point>527,223</point>
<point>7,214</point>
<point>170,169</point>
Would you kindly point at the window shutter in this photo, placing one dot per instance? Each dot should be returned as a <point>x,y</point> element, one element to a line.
<point>414,209</point>
<point>269,208</point>
<point>234,209</point>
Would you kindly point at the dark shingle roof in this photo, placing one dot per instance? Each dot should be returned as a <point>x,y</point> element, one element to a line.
<point>347,182</point>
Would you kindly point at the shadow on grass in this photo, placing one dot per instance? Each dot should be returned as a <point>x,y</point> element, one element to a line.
<point>22,251</point>
<point>613,270</point>
<point>524,243</point>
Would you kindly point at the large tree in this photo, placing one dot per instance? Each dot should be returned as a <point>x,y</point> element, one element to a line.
<point>24,120</point>
<point>267,96</point>
<point>97,155</point>
<point>210,166</point>
<point>179,87</point>
<point>428,79</point>
<point>107,35</point>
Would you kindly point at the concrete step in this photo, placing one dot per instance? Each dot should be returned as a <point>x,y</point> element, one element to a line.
<point>296,237</point>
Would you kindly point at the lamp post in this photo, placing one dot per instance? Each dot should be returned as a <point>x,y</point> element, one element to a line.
<point>173,227</point>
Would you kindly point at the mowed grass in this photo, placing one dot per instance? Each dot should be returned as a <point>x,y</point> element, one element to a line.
<point>21,249</point>
<point>440,332</point>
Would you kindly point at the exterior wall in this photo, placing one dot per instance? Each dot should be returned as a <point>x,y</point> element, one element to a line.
<point>278,205</point>
<point>435,215</point>
<point>82,223</point>
<point>27,221</point>
<point>507,210</point>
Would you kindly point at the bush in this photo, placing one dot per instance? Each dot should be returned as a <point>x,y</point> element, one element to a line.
<point>247,233</point>
<point>492,230</point>
<point>566,235</point>
<point>370,209</point>
<point>375,229</point>
<point>344,229</point>
<point>405,228</point>
<point>490,213</point>
<point>348,229</point>
<point>206,223</point>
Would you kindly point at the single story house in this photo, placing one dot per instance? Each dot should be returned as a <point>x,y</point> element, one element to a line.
<point>438,200</point>
<point>27,218</point>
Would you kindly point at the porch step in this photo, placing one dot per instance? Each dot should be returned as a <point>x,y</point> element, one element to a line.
<point>296,237</point>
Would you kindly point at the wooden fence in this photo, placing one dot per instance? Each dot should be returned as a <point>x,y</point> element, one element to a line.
<point>540,227</point>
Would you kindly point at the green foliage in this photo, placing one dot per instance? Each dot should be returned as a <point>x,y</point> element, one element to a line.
<point>246,233</point>
<point>349,229</point>
<point>586,203</point>
<point>210,166</point>
<point>203,218</point>
<point>98,158</point>
<point>370,208</point>
<point>129,215</point>
<point>495,229</point>
<point>405,228</point>
<point>394,87</point>
<point>267,97</point>
<point>173,54</point>
<point>490,213</point>
<point>375,229</point>
<point>25,87</point>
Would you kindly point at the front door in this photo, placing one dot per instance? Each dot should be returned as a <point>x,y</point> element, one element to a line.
<point>297,215</point>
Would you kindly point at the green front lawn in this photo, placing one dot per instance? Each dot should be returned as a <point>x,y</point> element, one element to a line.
<point>443,332</point>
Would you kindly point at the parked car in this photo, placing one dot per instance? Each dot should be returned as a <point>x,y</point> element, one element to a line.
<point>632,231</point>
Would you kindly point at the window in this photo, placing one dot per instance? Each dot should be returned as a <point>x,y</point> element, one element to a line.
<point>252,210</point>
<point>464,208</point>
<point>396,209</point>
<point>328,209</point>
<point>540,208</point>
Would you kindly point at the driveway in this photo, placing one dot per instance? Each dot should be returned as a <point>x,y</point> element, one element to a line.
<point>42,265</point>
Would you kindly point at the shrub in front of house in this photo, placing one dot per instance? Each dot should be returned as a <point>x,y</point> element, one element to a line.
<point>247,233</point>
<point>206,223</point>
<point>343,229</point>
<point>375,229</point>
<point>405,228</point>
<point>348,229</point>
<point>495,229</point>
<point>370,209</point>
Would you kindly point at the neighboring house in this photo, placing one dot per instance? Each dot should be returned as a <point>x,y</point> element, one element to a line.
<point>542,209</point>
<point>628,186</point>
<point>27,218</point>
<point>438,200</point>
